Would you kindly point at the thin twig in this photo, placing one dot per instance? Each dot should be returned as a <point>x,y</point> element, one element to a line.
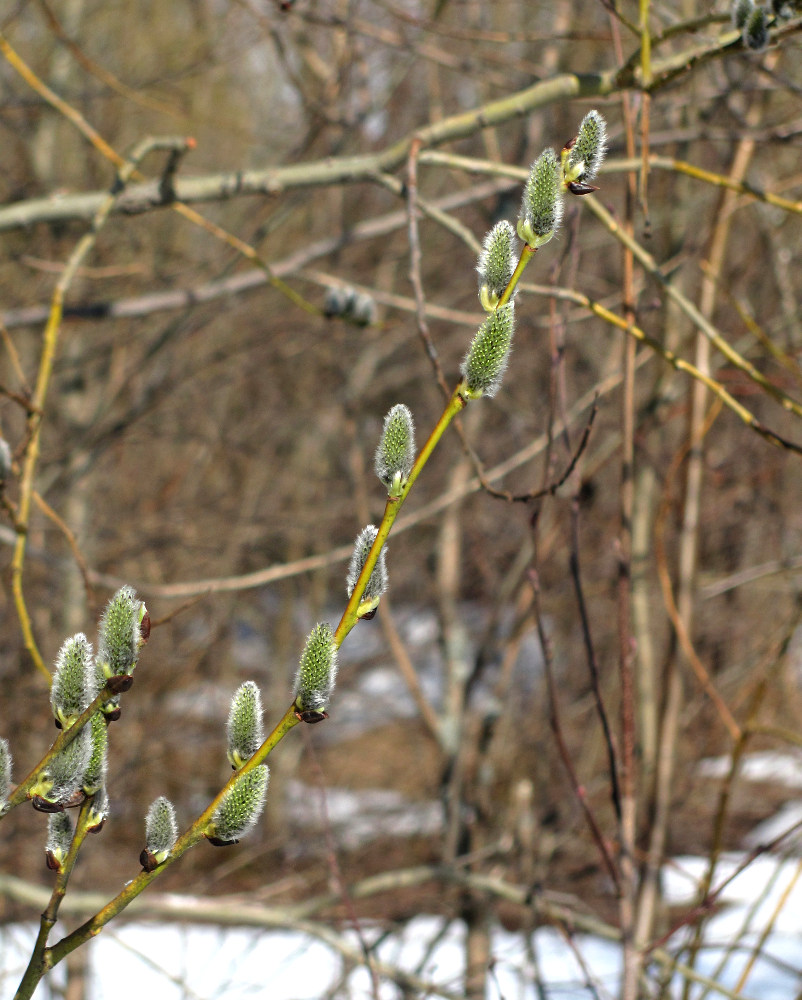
<point>64,528</point>
<point>556,727</point>
<point>126,170</point>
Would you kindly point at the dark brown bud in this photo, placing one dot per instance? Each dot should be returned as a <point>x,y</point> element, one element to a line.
<point>148,861</point>
<point>577,187</point>
<point>43,805</point>
<point>120,683</point>
<point>311,716</point>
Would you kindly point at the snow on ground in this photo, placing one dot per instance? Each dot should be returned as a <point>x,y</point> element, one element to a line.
<point>780,768</point>
<point>752,943</point>
<point>202,963</point>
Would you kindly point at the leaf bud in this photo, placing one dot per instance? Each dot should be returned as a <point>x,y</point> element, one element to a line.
<point>71,690</point>
<point>484,364</point>
<point>317,671</point>
<point>240,807</point>
<point>161,833</point>
<point>244,730</point>
<point>5,771</point>
<point>59,838</point>
<point>496,264</point>
<point>583,157</point>
<point>395,455</point>
<point>756,30</point>
<point>377,582</point>
<point>541,205</point>
<point>95,773</point>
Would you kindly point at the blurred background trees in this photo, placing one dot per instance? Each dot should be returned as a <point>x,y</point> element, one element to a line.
<point>207,431</point>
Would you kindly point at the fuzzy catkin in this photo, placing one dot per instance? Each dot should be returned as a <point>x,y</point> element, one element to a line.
<point>496,264</point>
<point>541,204</point>
<point>317,670</point>
<point>95,772</point>
<point>59,838</point>
<point>5,770</point>
<point>161,828</point>
<point>241,806</point>
<point>120,636</point>
<point>486,360</point>
<point>395,454</point>
<point>244,730</point>
<point>588,150</point>
<point>377,582</point>
<point>71,690</point>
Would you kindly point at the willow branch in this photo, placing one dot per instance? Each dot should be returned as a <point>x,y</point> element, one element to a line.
<point>352,169</point>
<point>38,400</point>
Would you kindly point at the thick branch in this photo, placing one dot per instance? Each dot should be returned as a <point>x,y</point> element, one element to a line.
<point>275,180</point>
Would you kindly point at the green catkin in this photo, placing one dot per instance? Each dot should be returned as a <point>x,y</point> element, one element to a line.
<point>317,671</point>
<point>395,454</point>
<point>161,829</point>
<point>99,810</point>
<point>6,462</point>
<point>5,771</point>
<point>120,634</point>
<point>244,730</point>
<point>486,361</point>
<point>756,30</point>
<point>587,152</point>
<point>72,690</point>
<point>741,9</point>
<point>241,807</point>
<point>377,582</point>
<point>541,205</point>
<point>496,264</point>
<point>95,773</point>
<point>62,776</point>
<point>59,838</point>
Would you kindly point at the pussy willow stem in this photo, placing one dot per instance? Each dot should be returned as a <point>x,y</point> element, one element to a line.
<point>349,618</point>
<point>195,833</point>
<point>20,793</point>
<point>36,966</point>
<point>456,403</point>
<point>526,255</point>
<point>49,957</point>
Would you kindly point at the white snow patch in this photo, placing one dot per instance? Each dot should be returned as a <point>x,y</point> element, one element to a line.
<point>769,766</point>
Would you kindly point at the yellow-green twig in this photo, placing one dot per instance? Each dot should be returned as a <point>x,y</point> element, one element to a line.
<point>349,617</point>
<point>127,168</point>
<point>20,793</point>
<point>192,836</point>
<point>37,964</point>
